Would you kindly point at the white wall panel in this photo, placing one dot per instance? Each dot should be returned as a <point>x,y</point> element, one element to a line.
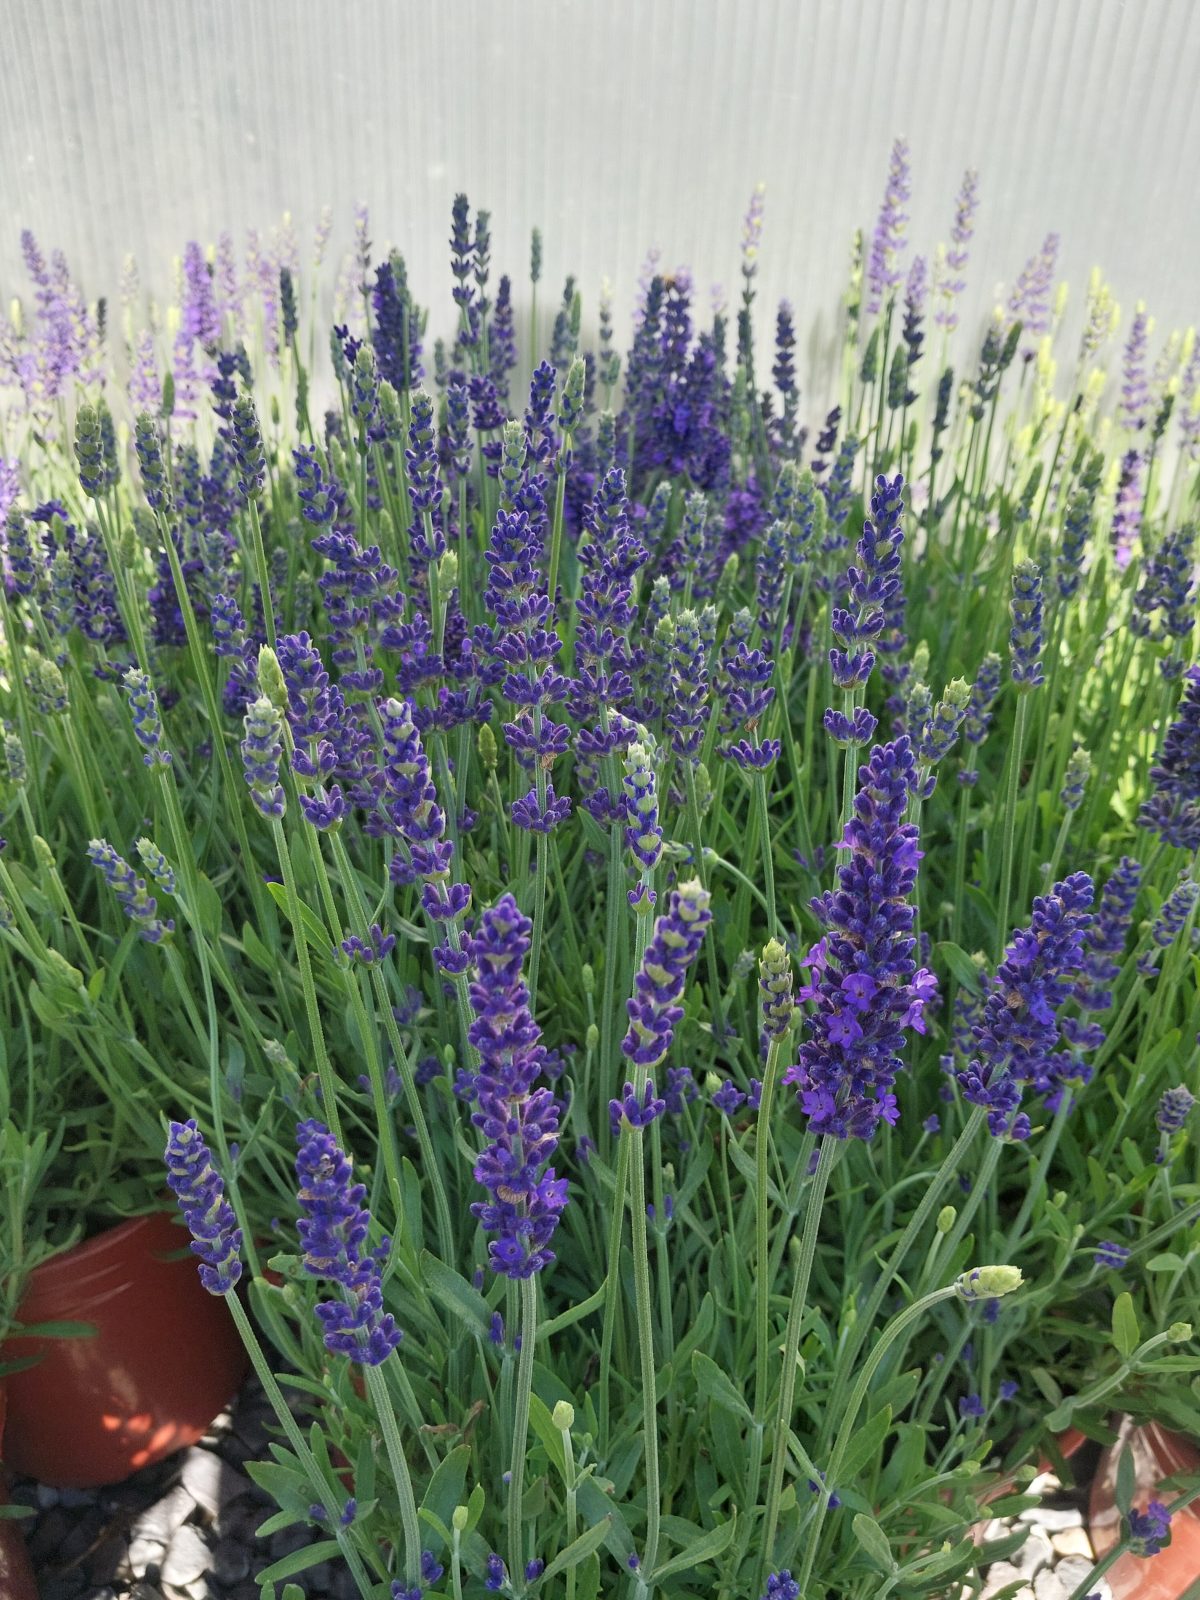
<point>614,124</point>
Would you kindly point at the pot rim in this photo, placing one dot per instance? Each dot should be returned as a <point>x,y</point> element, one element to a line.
<point>73,1256</point>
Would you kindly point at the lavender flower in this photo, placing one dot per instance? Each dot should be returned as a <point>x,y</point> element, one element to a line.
<point>1135,390</point>
<point>1079,770</point>
<point>1029,303</point>
<point>643,834</point>
<point>863,979</point>
<point>333,1229</point>
<point>1014,1035</point>
<point>782,1586</point>
<point>147,723</point>
<point>519,1121</point>
<point>1026,637</point>
<point>1127,512</point>
<point>1105,943</point>
<point>1173,1109</point>
<point>155,483</point>
<point>262,750</point>
<point>873,583</point>
<point>1173,810</point>
<point>1173,917</point>
<point>248,448</point>
<point>948,282</point>
<point>1112,1257</point>
<point>775,990</point>
<point>425,489</point>
<point>654,1008</point>
<point>139,906</point>
<point>884,274</point>
<point>1149,1530</point>
<point>534,816</point>
<point>197,1187</point>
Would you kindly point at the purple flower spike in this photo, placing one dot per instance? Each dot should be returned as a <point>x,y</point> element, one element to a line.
<point>1014,1036</point>
<point>884,272</point>
<point>948,280</point>
<point>782,1586</point>
<point>197,1186</point>
<point>1173,1109</point>
<point>1173,810</point>
<point>333,1229</point>
<point>863,977</point>
<point>519,1121</point>
<point>654,1008</point>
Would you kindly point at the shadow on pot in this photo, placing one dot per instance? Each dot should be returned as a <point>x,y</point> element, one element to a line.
<point>161,1357</point>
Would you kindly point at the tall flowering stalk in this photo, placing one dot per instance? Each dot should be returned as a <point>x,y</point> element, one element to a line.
<point>873,586</point>
<point>654,1012</point>
<point>1173,809</point>
<point>217,1240</point>
<point>520,1122</point>
<point>866,990</point>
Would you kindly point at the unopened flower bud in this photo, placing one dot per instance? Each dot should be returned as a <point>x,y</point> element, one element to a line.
<point>988,1283</point>
<point>563,1416</point>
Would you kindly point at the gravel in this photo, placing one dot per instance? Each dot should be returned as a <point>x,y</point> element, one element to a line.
<point>185,1529</point>
<point>181,1530</point>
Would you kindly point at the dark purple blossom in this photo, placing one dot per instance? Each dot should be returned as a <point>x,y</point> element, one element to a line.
<point>518,1119</point>
<point>1173,809</point>
<point>863,978</point>
<point>1014,1035</point>
<point>333,1229</point>
<point>198,1189</point>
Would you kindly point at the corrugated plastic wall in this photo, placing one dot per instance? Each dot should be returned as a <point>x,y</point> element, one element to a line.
<point>134,125</point>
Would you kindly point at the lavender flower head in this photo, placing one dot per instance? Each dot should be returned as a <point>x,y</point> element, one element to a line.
<point>262,750</point>
<point>333,1228</point>
<point>147,722</point>
<point>1027,635</point>
<point>948,282</point>
<point>752,227</point>
<point>1016,1032</point>
<point>1173,1109</point>
<point>519,1120</point>
<point>1135,390</point>
<point>864,982</point>
<point>1173,809</point>
<point>1029,303</point>
<point>139,906</point>
<point>782,1586</point>
<point>654,1009</point>
<point>884,272</point>
<point>197,1187</point>
<point>1149,1530</point>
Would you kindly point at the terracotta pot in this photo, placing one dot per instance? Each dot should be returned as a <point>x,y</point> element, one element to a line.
<point>1157,1454</point>
<point>17,1581</point>
<point>163,1360</point>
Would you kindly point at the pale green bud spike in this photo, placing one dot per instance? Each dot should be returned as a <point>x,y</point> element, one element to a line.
<point>270,678</point>
<point>988,1283</point>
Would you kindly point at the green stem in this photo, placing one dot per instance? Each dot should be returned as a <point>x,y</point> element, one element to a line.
<point>857,1395</point>
<point>385,1412</point>
<point>329,1501</point>
<point>791,1349</point>
<point>520,1441</point>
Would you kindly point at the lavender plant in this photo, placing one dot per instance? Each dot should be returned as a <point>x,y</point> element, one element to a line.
<point>675,1131</point>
